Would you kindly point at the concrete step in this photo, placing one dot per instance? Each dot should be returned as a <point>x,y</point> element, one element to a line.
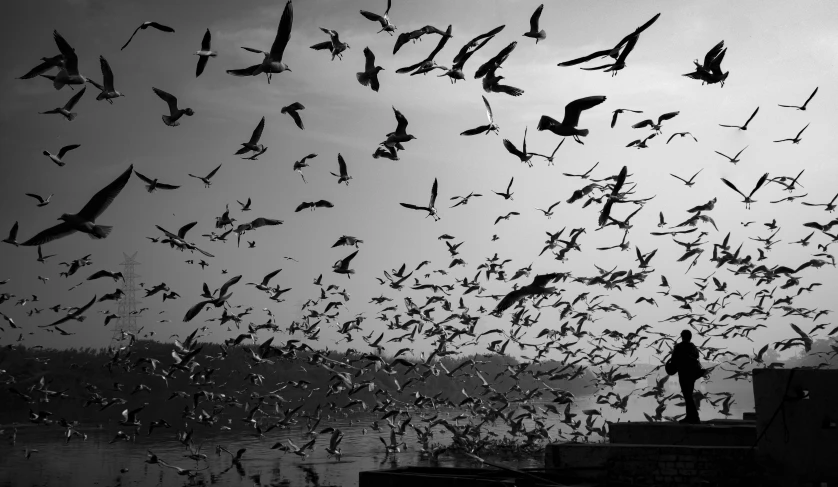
<point>712,433</point>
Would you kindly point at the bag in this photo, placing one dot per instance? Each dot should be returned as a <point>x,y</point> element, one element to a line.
<point>670,367</point>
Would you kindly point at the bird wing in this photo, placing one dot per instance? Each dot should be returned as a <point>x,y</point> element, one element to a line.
<point>132,37</point>
<point>323,204</point>
<point>614,119</point>
<point>644,123</point>
<point>667,116</point>
<point>71,61</point>
<point>580,60</point>
<point>401,122</point>
<point>66,149</point>
<point>510,184</point>
<point>713,54</point>
<point>372,16</point>
<point>433,194</point>
<point>369,57</point>
<point>182,232</point>
<point>342,165</point>
<point>810,97</point>
<point>101,200</point>
<point>346,260</point>
<point>406,205</point>
<point>251,71</point>
<point>233,280</point>
<point>303,206</point>
<point>678,177</point>
<point>441,43</point>
<point>37,197</point>
<point>801,131</point>
<point>489,113</point>
<point>262,222</point>
<point>170,99</point>
<point>731,186</point>
<point>143,178</point>
<point>512,149</point>
<point>205,42</point>
<point>212,173</point>
<point>322,45</point>
<point>257,132</point>
<point>75,99</point>
<point>107,73</point>
<point>759,184</point>
<point>161,27</point>
<point>283,32</point>
<point>194,310</point>
<point>751,117</point>
<point>669,140</point>
<point>535,17</point>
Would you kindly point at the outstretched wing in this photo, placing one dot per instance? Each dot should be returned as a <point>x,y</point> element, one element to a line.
<point>283,32</point>
<point>574,109</point>
<point>101,200</point>
<point>433,194</point>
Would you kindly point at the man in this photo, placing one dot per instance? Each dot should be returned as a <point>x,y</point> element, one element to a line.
<point>685,359</point>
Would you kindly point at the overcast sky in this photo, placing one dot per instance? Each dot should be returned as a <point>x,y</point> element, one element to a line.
<point>776,54</point>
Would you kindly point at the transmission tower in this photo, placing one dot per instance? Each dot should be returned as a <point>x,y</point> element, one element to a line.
<point>127,309</point>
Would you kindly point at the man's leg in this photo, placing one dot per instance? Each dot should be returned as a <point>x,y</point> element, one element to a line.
<point>687,388</point>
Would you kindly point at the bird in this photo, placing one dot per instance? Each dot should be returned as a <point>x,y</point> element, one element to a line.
<point>253,143</point>
<point>175,113</point>
<point>572,112</point>
<point>67,110</point>
<point>204,54</point>
<point>400,135</point>
<point>551,156</point>
<point>314,204</point>
<point>206,179</point>
<point>146,25</point>
<point>796,139</point>
<point>272,62</point>
<point>618,112</point>
<point>710,72</point>
<point>689,182</point>
<point>293,111</point>
<point>733,159</point>
<point>384,20</point>
<point>534,32</point>
<point>334,444</point>
<point>641,143</point>
<point>68,73</point>
<point>85,220</point>
<point>244,206</point>
<point>106,273</point>
<point>747,199</point>
<point>682,134</point>
<point>507,195</point>
<point>829,207</point>
<point>427,64</point>
<point>522,154</point>
<point>484,129</point>
<point>342,265</point>
<point>107,90</point>
<point>655,126</point>
<point>802,107</point>
<point>334,45</point>
<point>506,217</point>
<point>343,176</point>
<point>626,44</point>
<point>549,211</point>
<point>538,286</point>
<point>348,240</point>
<point>742,127</point>
<point>152,184</point>
<point>58,159</point>
<point>12,238</point>
<point>41,201</point>
<point>299,165</point>
<point>369,76</point>
<point>584,175</point>
<point>43,258</point>
<point>430,208</point>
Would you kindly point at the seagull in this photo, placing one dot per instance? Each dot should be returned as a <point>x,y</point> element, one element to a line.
<point>796,139</point>
<point>829,207</point>
<point>293,110</point>
<point>152,184</point>
<point>41,200</point>
<point>69,72</point>
<point>641,143</point>
<point>455,73</point>
<point>549,211</point>
<point>342,265</point>
<point>348,240</point>
<point>430,208</point>
<point>58,159</point>
<point>253,143</point>
<point>484,129</point>
<point>619,111</point>
<point>344,176</point>
<point>299,165</point>
<point>206,179</point>
<point>334,45</point>
<point>263,286</point>
<point>43,258</point>
<point>522,154</point>
<point>108,92</point>
<point>384,20</point>
<point>66,110</point>
<point>682,134</point>
<point>314,204</point>
<point>506,217</point>
<point>244,206</point>
<point>175,113</point>
<point>733,159</point>
<point>85,220</point>
<point>655,126</point>
<point>567,127</point>
<point>743,127</point>
<point>508,194</point>
<point>536,287</point>
<point>747,199</point>
<point>585,175</point>
<point>12,238</point>
<point>689,182</point>
<point>428,63</point>
<point>74,313</point>
<point>534,32</point>
<point>400,135</point>
<point>47,63</point>
<point>803,107</point>
<point>711,71</point>
<point>146,25</point>
<point>334,449</point>
<point>628,41</point>
<point>205,53</point>
<point>369,76</point>
<point>272,62</point>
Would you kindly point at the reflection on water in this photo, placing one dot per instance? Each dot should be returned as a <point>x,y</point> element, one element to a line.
<point>95,462</point>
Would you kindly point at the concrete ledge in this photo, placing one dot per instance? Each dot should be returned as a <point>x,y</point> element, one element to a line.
<point>716,433</point>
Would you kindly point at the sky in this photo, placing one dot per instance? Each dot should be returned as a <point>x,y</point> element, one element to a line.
<point>776,54</point>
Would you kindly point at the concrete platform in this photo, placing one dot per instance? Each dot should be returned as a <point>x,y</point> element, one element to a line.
<point>712,433</point>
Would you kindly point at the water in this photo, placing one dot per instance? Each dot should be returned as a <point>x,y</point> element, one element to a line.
<point>95,462</point>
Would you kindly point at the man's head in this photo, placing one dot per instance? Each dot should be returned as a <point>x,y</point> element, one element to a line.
<point>686,335</point>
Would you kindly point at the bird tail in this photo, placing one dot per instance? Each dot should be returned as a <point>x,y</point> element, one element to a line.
<point>72,116</point>
<point>583,132</point>
<point>546,123</point>
<point>150,188</point>
<point>362,78</point>
<point>81,318</point>
<point>100,231</point>
<point>167,119</point>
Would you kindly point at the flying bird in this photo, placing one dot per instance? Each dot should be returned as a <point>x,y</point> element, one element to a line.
<point>618,112</point>
<point>107,90</point>
<point>67,110</point>
<point>253,143</point>
<point>369,76</point>
<point>384,20</point>
<point>655,126</point>
<point>204,54</point>
<point>689,182</point>
<point>272,62</point>
<point>344,176</point>
<point>796,139</point>
<point>484,129</point>
<point>12,238</point>
<point>430,208</point>
<point>206,179</point>
<point>85,220</point>
<point>58,159</point>
<point>314,204</point>
<point>733,159</point>
<point>710,72</point>
<point>572,112</point>
<point>146,25</point>
<point>41,200</point>
<point>534,32</point>
<point>334,45</point>
<point>747,199</point>
<point>342,265</point>
<point>68,74</point>
<point>153,184</point>
<point>742,127</point>
<point>175,113</point>
<point>293,111</point>
<point>802,107</point>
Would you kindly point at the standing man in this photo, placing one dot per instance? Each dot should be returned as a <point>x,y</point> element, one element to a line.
<point>685,359</point>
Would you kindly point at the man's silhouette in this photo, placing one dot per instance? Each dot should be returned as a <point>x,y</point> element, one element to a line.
<point>685,358</point>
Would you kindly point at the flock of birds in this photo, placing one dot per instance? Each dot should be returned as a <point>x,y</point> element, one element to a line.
<point>706,309</point>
